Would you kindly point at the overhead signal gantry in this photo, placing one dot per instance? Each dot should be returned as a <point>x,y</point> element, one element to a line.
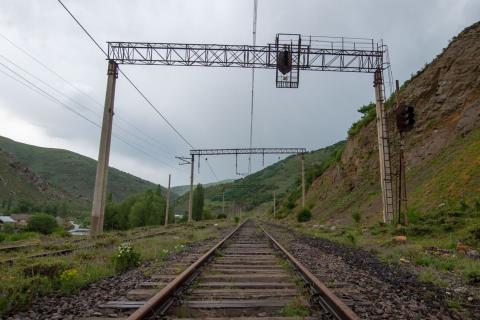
<point>288,55</point>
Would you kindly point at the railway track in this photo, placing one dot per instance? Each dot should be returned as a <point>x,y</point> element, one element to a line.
<point>248,275</point>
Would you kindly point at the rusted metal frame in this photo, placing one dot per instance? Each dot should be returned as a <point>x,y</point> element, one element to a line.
<point>164,295</point>
<point>330,301</point>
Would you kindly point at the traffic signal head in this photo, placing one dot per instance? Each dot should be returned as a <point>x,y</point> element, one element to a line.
<point>405,116</point>
<point>284,61</point>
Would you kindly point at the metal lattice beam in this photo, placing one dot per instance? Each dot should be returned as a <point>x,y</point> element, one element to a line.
<point>316,55</point>
<point>237,151</point>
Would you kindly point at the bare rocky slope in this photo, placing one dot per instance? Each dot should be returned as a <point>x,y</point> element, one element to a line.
<point>442,152</point>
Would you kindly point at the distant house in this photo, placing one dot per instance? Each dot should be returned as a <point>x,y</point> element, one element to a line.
<point>5,220</point>
<point>21,218</point>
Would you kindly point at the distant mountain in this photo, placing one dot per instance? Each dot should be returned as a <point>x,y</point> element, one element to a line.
<point>69,173</point>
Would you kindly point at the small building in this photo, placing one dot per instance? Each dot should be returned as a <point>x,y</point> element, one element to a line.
<point>21,219</point>
<point>6,220</point>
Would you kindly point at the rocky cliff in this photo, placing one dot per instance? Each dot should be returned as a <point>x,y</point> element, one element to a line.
<point>442,152</point>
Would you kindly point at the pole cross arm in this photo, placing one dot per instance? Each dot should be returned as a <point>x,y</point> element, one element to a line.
<point>236,151</point>
<point>315,55</point>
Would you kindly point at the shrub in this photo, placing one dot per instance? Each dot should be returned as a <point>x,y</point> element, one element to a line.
<point>222,216</point>
<point>42,222</point>
<point>473,277</point>
<point>237,219</point>
<point>2,237</point>
<point>50,270</point>
<point>69,279</point>
<point>356,216</point>
<point>351,238</point>
<point>126,258</point>
<point>304,215</point>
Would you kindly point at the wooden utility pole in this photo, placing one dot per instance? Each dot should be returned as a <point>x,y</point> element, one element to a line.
<point>303,181</point>
<point>383,150</point>
<point>167,207</point>
<point>101,177</point>
<point>190,199</point>
<point>274,206</point>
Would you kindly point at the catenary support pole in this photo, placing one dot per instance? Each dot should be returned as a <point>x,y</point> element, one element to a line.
<point>101,178</point>
<point>167,207</point>
<point>190,199</point>
<point>383,150</point>
<point>303,181</point>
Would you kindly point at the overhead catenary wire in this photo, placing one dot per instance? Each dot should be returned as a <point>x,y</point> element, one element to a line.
<point>252,102</point>
<point>72,100</point>
<point>30,85</point>
<point>127,78</point>
<point>133,84</point>
<point>76,88</point>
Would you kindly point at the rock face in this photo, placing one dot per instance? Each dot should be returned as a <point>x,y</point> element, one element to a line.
<point>446,97</point>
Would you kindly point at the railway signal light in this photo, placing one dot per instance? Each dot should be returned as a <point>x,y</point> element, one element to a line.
<point>405,116</point>
<point>284,61</point>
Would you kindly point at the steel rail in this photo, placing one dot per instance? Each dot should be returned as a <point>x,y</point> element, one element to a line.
<point>170,289</point>
<point>334,305</point>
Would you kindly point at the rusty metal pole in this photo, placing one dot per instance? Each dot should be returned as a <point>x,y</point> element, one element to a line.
<point>190,198</point>
<point>303,181</point>
<point>101,178</point>
<point>383,150</point>
<point>167,207</point>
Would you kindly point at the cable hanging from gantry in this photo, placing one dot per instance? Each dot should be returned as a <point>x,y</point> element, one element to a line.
<point>254,36</point>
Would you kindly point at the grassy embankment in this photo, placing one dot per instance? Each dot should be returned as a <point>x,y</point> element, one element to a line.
<point>26,278</point>
<point>444,210</point>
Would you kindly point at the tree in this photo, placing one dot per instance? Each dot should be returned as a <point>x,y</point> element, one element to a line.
<point>198,202</point>
<point>42,222</point>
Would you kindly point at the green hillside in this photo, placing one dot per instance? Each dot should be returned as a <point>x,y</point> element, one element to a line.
<point>181,190</point>
<point>72,172</point>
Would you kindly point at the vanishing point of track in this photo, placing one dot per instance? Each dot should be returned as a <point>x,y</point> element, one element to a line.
<point>248,275</point>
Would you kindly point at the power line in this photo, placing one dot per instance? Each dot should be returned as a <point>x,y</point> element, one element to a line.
<point>38,61</point>
<point>211,169</point>
<point>30,85</point>
<point>64,95</point>
<point>128,79</point>
<point>254,36</point>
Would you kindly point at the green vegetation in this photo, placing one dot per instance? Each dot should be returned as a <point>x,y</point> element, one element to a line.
<point>368,114</point>
<point>42,222</point>
<point>144,209</point>
<point>28,278</point>
<point>295,309</point>
<point>126,258</point>
<point>198,203</point>
<point>304,215</point>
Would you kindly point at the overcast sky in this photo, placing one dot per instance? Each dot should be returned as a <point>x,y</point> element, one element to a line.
<point>209,106</point>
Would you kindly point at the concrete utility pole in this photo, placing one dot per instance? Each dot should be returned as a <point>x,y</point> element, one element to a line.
<point>101,178</point>
<point>190,199</point>
<point>168,200</point>
<point>274,206</point>
<point>303,181</point>
<point>383,150</point>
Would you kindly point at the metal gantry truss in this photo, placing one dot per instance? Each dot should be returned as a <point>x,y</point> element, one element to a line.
<point>316,54</point>
<point>237,151</point>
